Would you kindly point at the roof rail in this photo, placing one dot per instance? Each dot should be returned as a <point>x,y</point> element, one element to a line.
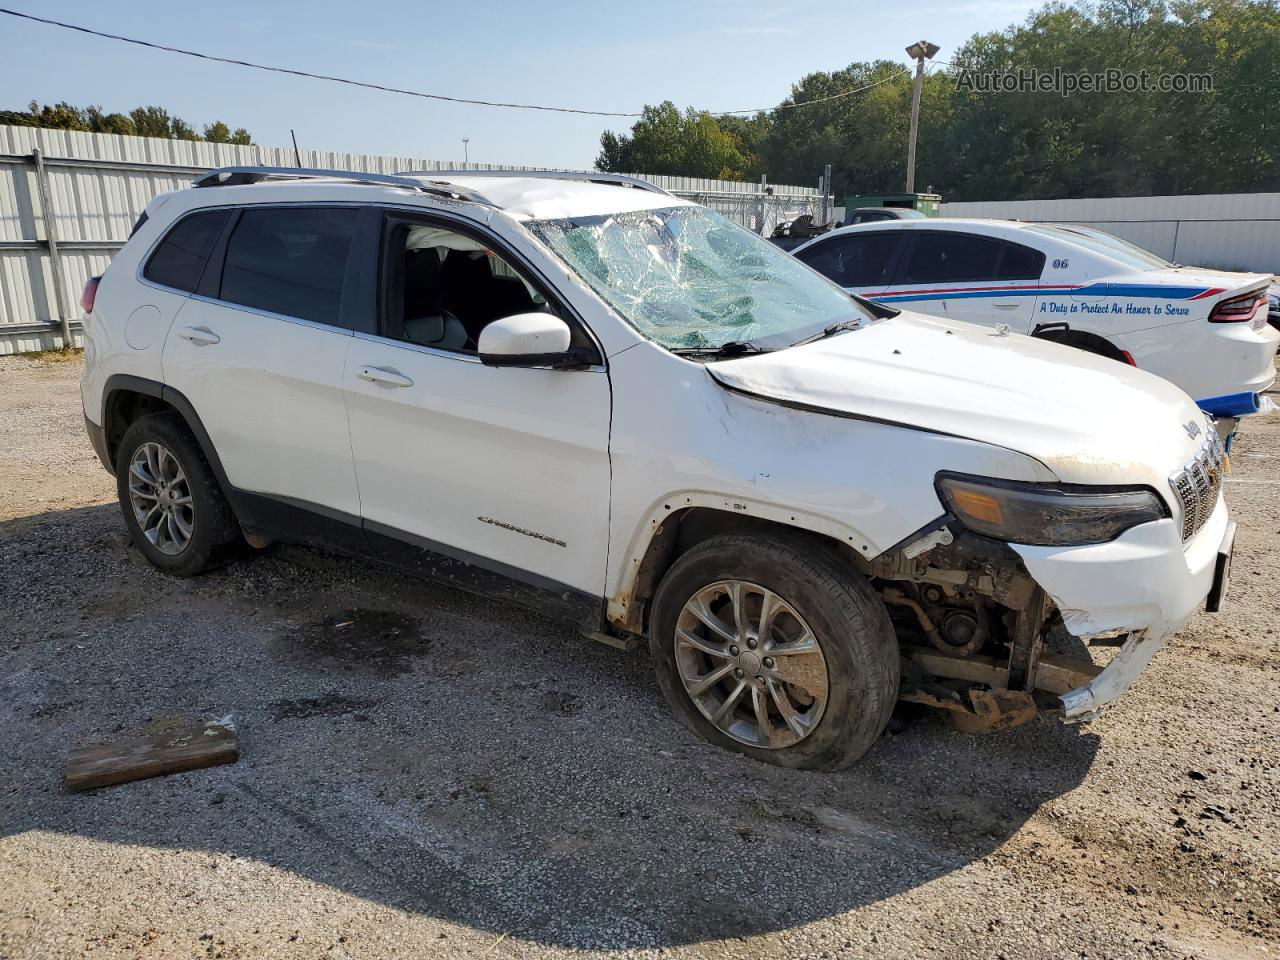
<point>616,179</point>
<point>240,176</point>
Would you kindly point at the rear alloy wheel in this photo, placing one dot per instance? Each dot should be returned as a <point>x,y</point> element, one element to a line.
<point>773,646</point>
<point>172,504</point>
<point>161,498</point>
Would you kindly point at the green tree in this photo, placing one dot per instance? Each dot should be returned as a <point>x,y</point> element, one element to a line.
<point>142,121</point>
<point>666,141</point>
<point>217,132</point>
<point>1028,143</point>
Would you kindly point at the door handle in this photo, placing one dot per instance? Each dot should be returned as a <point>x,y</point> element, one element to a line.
<point>391,378</point>
<point>1007,305</point>
<point>200,336</point>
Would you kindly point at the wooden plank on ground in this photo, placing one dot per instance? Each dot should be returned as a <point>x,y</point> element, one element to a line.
<point>167,747</point>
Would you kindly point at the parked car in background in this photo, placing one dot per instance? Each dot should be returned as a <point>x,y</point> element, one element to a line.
<point>1273,305</point>
<point>791,233</point>
<point>878,214</point>
<point>1204,330</point>
<point>586,395</point>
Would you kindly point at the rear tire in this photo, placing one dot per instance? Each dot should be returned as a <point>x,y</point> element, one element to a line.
<point>751,682</point>
<point>172,504</point>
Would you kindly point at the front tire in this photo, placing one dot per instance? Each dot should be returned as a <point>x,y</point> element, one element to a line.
<point>172,504</point>
<point>771,646</point>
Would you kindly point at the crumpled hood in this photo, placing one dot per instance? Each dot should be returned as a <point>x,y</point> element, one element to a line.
<point>1087,418</point>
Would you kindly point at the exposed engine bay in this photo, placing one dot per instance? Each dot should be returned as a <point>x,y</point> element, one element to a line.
<point>972,626</point>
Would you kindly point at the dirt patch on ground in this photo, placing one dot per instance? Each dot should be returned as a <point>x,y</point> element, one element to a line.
<point>382,642</point>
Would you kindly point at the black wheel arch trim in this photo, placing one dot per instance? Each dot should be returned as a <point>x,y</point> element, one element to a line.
<point>120,382</point>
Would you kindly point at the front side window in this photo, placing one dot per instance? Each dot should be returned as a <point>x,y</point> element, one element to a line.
<point>442,288</point>
<point>858,260</point>
<point>687,278</point>
<point>180,258</point>
<point>290,261</point>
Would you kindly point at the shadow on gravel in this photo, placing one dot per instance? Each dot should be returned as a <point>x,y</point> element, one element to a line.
<point>457,757</point>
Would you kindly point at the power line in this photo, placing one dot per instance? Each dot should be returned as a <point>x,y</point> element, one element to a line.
<point>834,96</point>
<point>408,93</point>
<point>303,73</point>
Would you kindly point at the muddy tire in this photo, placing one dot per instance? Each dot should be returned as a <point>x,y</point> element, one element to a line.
<point>172,504</point>
<point>772,646</point>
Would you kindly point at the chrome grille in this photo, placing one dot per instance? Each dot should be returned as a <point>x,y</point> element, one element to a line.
<point>1197,484</point>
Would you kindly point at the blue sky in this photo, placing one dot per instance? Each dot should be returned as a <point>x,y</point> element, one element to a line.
<point>714,54</point>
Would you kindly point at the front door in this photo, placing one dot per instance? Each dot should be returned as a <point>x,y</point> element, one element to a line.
<point>468,471</point>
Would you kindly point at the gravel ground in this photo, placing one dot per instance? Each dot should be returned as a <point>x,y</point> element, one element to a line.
<point>445,777</point>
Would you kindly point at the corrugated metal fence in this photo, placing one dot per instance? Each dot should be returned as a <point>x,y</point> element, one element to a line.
<point>69,199</point>
<point>1238,231</point>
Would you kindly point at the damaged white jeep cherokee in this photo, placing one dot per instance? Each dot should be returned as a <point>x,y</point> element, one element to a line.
<point>587,395</point>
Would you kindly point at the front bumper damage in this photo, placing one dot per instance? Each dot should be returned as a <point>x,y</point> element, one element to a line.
<point>1134,592</point>
<point>1145,584</point>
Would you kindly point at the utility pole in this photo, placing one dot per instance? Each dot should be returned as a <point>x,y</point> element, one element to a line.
<point>826,194</point>
<point>466,156</point>
<point>920,51</point>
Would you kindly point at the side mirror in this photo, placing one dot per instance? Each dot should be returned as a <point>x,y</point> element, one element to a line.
<point>529,340</point>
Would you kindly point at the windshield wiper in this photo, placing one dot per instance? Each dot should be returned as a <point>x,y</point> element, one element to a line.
<point>830,331</point>
<point>731,348</point>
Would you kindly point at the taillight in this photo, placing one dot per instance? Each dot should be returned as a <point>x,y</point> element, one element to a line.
<point>1238,309</point>
<point>90,294</point>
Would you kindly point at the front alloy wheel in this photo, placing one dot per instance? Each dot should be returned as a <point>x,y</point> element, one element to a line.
<point>751,664</point>
<point>771,644</point>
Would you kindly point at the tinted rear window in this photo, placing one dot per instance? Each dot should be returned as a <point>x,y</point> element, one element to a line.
<point>181,256</point>
<point>1020,263</point>
<point>946,257</point>
<point>955,257</point>
<point>290,261</point>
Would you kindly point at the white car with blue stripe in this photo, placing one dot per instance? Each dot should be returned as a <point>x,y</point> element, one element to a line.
<point>1205,330</point>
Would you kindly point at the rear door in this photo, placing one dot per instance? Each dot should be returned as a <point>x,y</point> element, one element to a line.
<point>259,351</point>
<point>968,277</point>
<point>860,261</point>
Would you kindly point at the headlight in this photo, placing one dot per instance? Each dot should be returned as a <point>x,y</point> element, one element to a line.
<point>1045,514</point>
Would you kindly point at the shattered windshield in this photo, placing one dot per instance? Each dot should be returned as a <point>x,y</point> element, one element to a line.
<point>691,280</point>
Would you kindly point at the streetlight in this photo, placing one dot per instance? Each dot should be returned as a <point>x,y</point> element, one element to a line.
<point>920,51</point>
<point>466,157</point>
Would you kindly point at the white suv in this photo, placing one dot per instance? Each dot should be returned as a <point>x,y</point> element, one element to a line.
<point>584,394</point>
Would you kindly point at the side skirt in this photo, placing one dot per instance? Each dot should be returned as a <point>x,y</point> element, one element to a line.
<point>292,521</point>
